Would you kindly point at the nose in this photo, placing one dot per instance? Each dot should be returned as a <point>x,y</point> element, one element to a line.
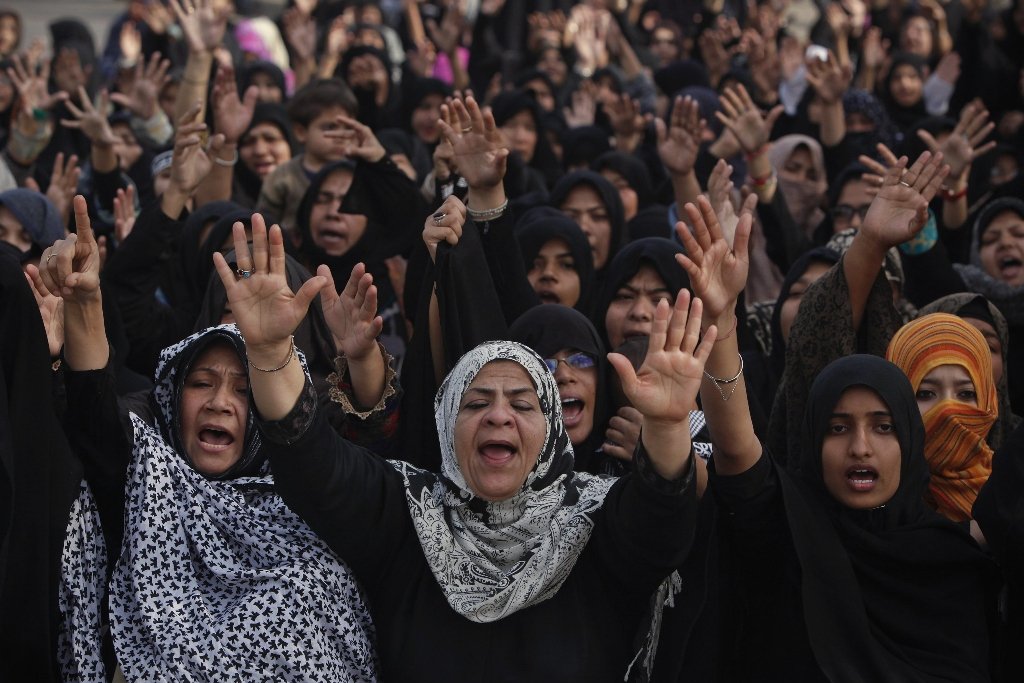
<point>855,220</point>
<point>641,309</point>
<point>220,401</point>
<point>548,271</point>
<point>563,374</point>
<point>499,413</point>
<point>860,445</point>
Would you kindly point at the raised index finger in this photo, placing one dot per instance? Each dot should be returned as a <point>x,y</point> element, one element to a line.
<point>83,225</point>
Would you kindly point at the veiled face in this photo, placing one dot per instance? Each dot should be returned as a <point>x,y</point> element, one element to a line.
<point>499,431</point>
<point>214,410</point>
<point>860,454</point>
<point>946,383</point>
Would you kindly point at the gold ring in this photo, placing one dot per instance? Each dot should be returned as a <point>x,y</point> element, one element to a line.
<point>50,256</point>
<point>904,183</point>
<point>467,129</point>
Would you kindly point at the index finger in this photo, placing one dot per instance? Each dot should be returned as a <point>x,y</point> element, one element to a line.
<point>83,224</point>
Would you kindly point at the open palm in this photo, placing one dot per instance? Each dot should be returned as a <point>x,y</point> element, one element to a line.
<point>478,147</point>
<point>717,271</point>
<point>351,314</point>
<point>265,308</point>
<point>900,209</point>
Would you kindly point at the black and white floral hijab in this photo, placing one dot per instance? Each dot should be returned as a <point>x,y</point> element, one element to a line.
<point>217,579</point>
<point>492,559</point>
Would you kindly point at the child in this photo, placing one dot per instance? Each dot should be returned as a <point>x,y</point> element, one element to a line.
<point>313,111</point>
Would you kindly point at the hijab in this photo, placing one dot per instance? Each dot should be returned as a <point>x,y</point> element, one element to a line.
<point>905,117</point>
<point>509,104</point>
<point>1009,299</point>
<point>657,252</point>
<point>804,198</point>
<point>492,559</point>
<point>958,456</point>
<point>549,328</point>
<point>197,257</point>
<point>609,197</point>
<point>37,215</point>
<point>213,569</point>
<point>890,594</point>
<point>632,170</point>
<point>247,183</point>
<point>540,225</point>
<point>970,305</point>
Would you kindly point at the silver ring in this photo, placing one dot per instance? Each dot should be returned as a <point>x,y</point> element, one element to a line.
<point>904,183</point>
<point>439,216</point>
<point>467,129</point>
<point>50,256</point>
<point>244,274</point>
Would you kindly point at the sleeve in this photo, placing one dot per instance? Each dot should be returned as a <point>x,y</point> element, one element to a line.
<point>94,427</point>
<point>646,526</point>
<point>505,262</point>
<point>751,501</point>
<point>930,275</point>
<point>132,275</point>
<point>823,332</point>
<point>104,189</point>
<point>373,428</point>
<point>352,499</point>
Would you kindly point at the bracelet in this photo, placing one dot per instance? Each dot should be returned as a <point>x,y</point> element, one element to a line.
<point>488,214</point>
<point>732,380</point>
<point>953,195</point>
<point>735,323</point>
<point>760,150</point>
<point>225,162</point>
<point>291,354</point>
<point>195,81</point>
<point>761,182</point>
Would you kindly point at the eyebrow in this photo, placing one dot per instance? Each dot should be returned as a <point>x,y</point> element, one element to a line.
<point>874,413</point>
<point>487,391</point>
<point>957,383</point>
<point>213,371</point>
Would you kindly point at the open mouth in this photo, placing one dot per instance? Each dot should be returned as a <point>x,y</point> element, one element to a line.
<point>1010,267</point>
<point>331,236</point>
<point>215,439</point>
<point>862,478</point>
<point>548,297</point>
<point>572,411</point>
<point>497,452</point>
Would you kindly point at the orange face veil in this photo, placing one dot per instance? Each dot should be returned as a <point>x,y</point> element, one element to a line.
<point>959,458</point>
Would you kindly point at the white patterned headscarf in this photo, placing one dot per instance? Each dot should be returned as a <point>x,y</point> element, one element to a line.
<point>217,579</point>
<point>492,559</point>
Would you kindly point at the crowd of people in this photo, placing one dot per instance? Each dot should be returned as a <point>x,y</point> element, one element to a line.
<point>525,340</point>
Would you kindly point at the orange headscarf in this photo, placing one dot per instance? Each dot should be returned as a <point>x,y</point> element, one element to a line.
<point>959,458</point>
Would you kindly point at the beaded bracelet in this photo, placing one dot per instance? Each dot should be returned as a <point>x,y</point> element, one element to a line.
<point>488,214</point>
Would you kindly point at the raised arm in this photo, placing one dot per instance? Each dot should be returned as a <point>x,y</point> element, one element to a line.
<point>267,313</point>
<point>666,385</point>
<point>718,274</point>
<point>678,146</point>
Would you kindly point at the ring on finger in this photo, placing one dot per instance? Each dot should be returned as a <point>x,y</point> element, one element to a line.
<point>244,274</point>
<point>904,183</point>
<point>467,129</point>
<point>439,216</point>
<point>50,256</point>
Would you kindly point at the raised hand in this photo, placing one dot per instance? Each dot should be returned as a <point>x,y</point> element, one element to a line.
<point>623,433</point>
<point>358,140</point>
<point>830,79</point>
<point>900,209</point>
<point>444,225</point>
<point>63,184</point>
<point>720,195</point>
<point>92,121</point>
<point>147,82</point>
<point>627,121</point>
<point>718,271</point>
<point>966,142</point>
<point>231,114</point>
<point>583,106</point>
<point>874,50</point>
<point>31,84</point>
<point>192,162</point>
<point>447,35</point>
<point>130,42</point>
<point>202,27</point>
<point>878,168</point>
<point>352,314</point>
<point>679,142</point>
<point>265,308</point>
<point>665,387</point>
<point>478,147</point>
<point>300,33</point>
<point>124,213</point>
<point>70,268</point>
<point>51,308</point>
<point>745,120</point>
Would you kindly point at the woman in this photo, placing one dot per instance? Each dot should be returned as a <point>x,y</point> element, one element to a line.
<point>482,567</point>
<point>572,350</point>
<point>594,204</point>
<point>263,147</point>
<point>631,178</point>
<point>800,167</point>
<point>558,261</point>
<point>838,569</point>
<point>903,91</point>
<point>641,275</point>
<point>522,123</point>
<point>189,509</point>
<point>950,369</point>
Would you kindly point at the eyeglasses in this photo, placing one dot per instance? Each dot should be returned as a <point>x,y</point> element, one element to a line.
<point>845,212</point>
<point>580,361</point>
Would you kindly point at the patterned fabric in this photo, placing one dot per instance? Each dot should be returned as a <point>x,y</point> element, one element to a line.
<point>83,587</point>
<point>492,559</point>
<point>217,579</point>
<point>959,459</point>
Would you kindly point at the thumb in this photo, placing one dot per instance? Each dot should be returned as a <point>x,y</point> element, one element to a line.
<point>773,116</point>
<point>31,184</point>
<point>659,130</point>
<point>307,292</point>
<point>928,139</point>
<point>625,371</point>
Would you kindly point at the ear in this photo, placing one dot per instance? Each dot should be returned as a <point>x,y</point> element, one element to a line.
<point>300,132</point>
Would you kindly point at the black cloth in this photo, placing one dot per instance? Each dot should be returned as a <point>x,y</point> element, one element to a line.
<point>583,633</point>
<point>550,328</point>
<point>896,593</point>
<point>999,511</point>
<point>540,225</point>
<point>246,184</point>
<point>39,480</point>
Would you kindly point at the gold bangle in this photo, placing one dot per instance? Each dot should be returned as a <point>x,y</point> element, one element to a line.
<point>282,366</point>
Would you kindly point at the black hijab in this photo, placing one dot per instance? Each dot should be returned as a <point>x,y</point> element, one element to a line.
<point>905,117</point>
<point>657,252</point>
<point>196,257</point>
<point>549,328</point>
<point>388,115</point>
<point>508,104</point>
<point>633,171</point>
<point>609,197</point>
<point>247,183</point>
<point>897,593</point>
<point>540,225</point>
